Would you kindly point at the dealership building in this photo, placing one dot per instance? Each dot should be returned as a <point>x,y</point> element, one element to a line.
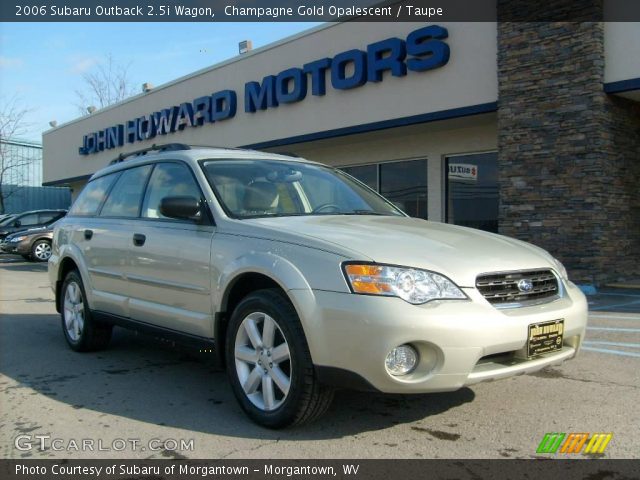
<point>531,130</point>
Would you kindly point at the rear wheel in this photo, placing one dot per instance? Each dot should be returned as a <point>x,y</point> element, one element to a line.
<point>269,364</point>
<point>41,250</point>
<point>82,332</point>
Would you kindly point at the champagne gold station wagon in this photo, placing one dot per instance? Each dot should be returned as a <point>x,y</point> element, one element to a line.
<point>303,280</point>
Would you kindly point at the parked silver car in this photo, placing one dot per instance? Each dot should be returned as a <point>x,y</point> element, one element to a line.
<point>303,280</point>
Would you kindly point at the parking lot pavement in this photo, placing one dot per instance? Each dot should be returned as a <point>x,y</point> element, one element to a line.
<point>618,300</point>
<point>146,390</point>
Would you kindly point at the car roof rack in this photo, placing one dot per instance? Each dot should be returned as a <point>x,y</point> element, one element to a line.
<point>165,147</point>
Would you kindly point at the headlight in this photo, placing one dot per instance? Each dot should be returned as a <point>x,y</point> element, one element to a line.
<point>560,269</point>
<point>17,239</point>
<point>413,285</point>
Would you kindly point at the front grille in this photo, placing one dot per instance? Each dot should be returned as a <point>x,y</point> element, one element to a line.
<point>502,288</point>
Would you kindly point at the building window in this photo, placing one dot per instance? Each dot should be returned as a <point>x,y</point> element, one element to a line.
<point>404,183</point>
<point>367,174</point>
<point>472,190</point>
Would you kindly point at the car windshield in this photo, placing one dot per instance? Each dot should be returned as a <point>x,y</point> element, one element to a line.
<point>274,188</point>
<point>6,221</point>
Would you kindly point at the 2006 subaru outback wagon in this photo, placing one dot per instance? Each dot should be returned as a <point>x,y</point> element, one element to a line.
<point>303,280</point>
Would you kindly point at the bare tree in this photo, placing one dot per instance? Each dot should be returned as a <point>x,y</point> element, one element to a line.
<point>14,161</point>
<point>107,84</point>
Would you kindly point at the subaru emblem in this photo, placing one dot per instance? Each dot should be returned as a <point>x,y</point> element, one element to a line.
<point>525,285</point>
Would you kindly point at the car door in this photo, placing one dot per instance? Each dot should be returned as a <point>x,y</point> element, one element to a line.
<point>108,251</point>
<point>169,273</point>
<point>93,239</point>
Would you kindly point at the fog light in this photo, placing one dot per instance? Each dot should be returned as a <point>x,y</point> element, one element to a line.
<point>401,360</point>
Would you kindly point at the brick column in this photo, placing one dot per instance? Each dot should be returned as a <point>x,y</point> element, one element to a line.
<point>569,154</point>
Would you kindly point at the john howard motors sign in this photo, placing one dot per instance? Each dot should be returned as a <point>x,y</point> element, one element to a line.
<point>423,49</point>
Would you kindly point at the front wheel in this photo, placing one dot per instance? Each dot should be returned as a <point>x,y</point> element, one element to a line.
<point>82,332</point>
<point>41,250</point>
<point>269,364</point>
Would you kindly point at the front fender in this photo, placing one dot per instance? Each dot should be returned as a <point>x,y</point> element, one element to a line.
<point>277,268</point>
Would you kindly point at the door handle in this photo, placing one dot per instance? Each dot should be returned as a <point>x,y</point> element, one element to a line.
<point>88,234</point>
<point>139,239</point>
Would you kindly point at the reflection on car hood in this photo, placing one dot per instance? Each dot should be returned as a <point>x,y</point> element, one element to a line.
<point>457,252</point>
<point>30,231</point>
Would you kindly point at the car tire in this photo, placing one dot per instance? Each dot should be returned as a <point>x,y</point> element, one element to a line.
<point>260,365</point>
<point>82,332</point>
<point>41,250</point>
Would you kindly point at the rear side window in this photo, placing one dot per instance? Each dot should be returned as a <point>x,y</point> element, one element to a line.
<point>50,216</point>
<point>126,195</point>
<point>168,180</point>
<point>92,196</point>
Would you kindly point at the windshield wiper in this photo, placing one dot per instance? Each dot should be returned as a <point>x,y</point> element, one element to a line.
<point>365,212</point>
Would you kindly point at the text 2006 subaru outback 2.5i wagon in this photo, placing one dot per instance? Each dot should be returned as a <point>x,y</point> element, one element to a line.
<point>304,280</point>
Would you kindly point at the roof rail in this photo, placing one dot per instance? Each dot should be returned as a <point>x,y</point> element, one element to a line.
<point>166,147</point>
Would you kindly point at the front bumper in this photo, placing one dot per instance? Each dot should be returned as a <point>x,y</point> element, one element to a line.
<point>460,342</point>
<point>21,248</point>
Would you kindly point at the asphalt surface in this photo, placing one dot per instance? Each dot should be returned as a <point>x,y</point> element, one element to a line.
<point>145,392</point>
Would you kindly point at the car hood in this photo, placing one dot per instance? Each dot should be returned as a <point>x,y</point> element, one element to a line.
<point>28,231</point>
<point>459,253</point>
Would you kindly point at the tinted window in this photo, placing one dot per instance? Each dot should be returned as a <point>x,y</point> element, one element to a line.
<point>50,216</point>
<point>26,220</point>
<point>92,196</point>
<point>405,184</point>
<point>125,196</point>
<point>168,180</point>
<point>473,193</point>
<point>367,174</point>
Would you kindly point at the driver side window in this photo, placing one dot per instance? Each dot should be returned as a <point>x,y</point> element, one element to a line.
<point>168,180</point>
<point>28,220</point>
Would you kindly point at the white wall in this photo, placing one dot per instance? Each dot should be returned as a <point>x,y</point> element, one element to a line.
<point>622,51</point>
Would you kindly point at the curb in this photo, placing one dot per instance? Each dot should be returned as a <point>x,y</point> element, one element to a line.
<point>633,286</point>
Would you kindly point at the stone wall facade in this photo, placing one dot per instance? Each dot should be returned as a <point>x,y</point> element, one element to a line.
<point>569,154</point>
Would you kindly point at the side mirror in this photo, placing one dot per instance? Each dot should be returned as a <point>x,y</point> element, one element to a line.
<point>183,208</point>
<point>17,223</point>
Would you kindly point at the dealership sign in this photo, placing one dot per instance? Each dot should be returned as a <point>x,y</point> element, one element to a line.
<point>423,49</point>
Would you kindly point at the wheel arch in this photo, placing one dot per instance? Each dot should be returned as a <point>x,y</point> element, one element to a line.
<point>249,274</point>
<point>70,261</point>
<point>66,265</point>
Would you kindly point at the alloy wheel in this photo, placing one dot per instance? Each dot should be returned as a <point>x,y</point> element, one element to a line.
<point>42,251</point>
<point>73,311</point>
<point>263,361</point>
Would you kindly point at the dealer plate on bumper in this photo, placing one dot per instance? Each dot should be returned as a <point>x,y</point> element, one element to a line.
<point>545,337</point>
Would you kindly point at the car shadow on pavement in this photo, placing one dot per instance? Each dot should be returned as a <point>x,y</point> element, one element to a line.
<point>149,380</point>
<point>24,267</point>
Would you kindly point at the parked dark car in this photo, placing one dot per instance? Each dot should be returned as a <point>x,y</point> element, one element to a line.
<point>33,244</point>
<point>28,220</point>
